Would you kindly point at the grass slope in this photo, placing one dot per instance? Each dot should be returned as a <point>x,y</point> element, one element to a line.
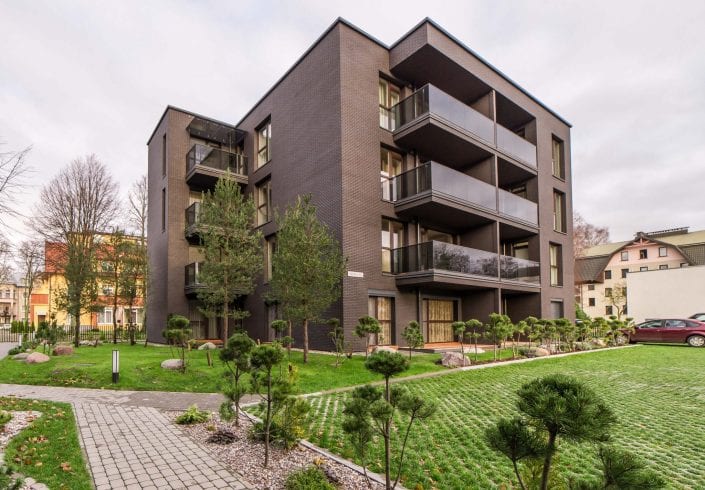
<point>90,367</point>
<point>657,392</point>
<point>48,449</point>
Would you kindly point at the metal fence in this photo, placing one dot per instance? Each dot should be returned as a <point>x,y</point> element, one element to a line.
<point>67,335</point>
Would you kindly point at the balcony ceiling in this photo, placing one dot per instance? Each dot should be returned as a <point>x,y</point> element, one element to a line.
<point>428,65</point>
<point>510,173</point>
<point>213,131</point>
<point>438,211</point>
<point>515,231</point>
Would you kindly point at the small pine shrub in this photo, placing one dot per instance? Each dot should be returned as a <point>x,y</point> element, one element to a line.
<point>193,416</point>
<point>311,478</point>
<point>14,351</point>
<point>5,417</point>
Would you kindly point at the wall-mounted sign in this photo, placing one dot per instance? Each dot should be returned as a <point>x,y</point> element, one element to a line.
<point>356,274</point>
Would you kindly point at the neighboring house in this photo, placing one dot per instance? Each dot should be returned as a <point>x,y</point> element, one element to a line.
<point>12,305</point>
<point>601,275</point>
<point>43,305</point>
<point>447,184</point>
<point>666,293</point>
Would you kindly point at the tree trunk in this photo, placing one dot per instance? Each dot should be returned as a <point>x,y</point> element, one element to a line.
<point>226,312</point>
<point>269,419</point>
<point>305,340</point>
<point>288,345</point>
<point>387,456</point>
<point>550,449</point>
<point>77,327</point>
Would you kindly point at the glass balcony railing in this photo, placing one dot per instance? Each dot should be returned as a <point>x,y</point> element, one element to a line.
<point>444,180</point>
<point>516,146</point>
<point>523,270</point>
<point>429,99</point>
<point>192,213</point>
<point>217,159</point>
<point>445,257</point>
<point>191,272</point>
<point>517,207</point>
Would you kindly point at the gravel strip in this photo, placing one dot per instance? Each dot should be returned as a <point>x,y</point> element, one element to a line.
<point>246,457</point>
<point>19,421</point>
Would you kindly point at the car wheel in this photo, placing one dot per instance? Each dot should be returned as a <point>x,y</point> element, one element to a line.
<point>696,341</point>
<point>621,339</point>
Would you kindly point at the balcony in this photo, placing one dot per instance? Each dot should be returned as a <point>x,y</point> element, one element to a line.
<point>205,165</point>
<point>452,266</point>
<point>439,125</point>
<point>191,284</point>
<point>438,194</point>
<point>192,228</point>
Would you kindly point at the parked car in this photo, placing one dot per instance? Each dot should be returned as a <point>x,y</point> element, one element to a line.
<point>670,330</point>
<point>698,316</point>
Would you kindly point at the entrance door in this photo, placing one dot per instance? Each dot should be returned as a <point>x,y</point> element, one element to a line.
<point>438,317</point>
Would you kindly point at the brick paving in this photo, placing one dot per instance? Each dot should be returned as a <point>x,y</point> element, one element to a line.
<point>131,444</point>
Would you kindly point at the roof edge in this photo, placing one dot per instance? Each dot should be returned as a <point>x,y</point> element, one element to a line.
<point>428,20</point>
<point>190,113</point>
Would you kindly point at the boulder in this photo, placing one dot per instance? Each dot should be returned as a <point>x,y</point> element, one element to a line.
<point>207,346</point>
<point>537,352</point>
<point>20,357</point>
<point>454,359</point>
<point>37,358</point>
<point>584,346</point>
<point>172,364</point>
<point>63,350</point>
<point>383,348</point>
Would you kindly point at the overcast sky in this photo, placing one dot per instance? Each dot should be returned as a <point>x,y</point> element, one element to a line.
<point>94,77</point>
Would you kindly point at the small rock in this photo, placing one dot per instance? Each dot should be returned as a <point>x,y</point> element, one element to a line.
<point>37,358</point>
<point>223,436</point>
<point>21,356</point>
<point>454,359</point>
<point>538,352</point>
<point>172,364</point>
<point>480,350</point>
<point>383,348</point>
<point>208,346</point>
<point>63,350</point>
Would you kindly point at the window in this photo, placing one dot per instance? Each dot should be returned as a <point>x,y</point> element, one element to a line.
<point>624,273</point>
<point>643,268</point>
<point>163,209</point>
<point>643,254</point>
<point>7,293</point>
<point>107,266</point>
<point>591,287</point>
<point>559,211</point>
<point>608,292</point>
<point>392,237</point>
<point>519,190</point>
<point>388,97</point>
<point>555,264</point>
<point>608,274</point>
<point>264,202</point>
<point>557,156</point>
<point>270,246</point>
<point>382,308</point>
<point>663,267</point>
<point>520,250</point>
<point>430,235</point>
<point>264,143</point>
<point>164,155</point>
<point>663,252</point>
<point>591,301</point>
<point>608,310</point>
<point>557,309</point>
<point>105,316</point>
<point>390,167</point>
<point>108,291</point>
<point>625,255</point>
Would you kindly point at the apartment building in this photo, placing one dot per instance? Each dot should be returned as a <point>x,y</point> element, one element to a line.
<point>446,183</point>
<point>12,303</point>
<point>601,275</point>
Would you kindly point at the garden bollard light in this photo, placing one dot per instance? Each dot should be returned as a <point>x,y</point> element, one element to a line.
<point>116,366</point>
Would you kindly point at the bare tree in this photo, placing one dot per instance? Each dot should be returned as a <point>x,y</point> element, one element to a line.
<point>586,235</point>
<point>137,213</point>
<point>30,261</point>
<point>13,170</point>
<point>138,275</point>
<point>76,205</point>
<point>5,261</point>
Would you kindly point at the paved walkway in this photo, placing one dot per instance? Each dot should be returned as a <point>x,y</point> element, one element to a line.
<point>5,347</point>
<point>131,444</point>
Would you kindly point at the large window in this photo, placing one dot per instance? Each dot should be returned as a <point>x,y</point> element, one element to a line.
<point>392,237</point>
<point>429,235</point>
<point>559,211</point>
<point>390,166</point>
<point>557,310</point>
<point>558,158</point>
<point>382,308</point>
<point>270,246</point>
<point>105,316</point>
<point>388,97</point>
<point>555,264</point>
<point>264,202</point>
<point>264,143</point>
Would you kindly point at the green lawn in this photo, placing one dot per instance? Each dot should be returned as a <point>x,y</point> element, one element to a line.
<point>90,367</point>
<point>657,391</point>
<point>48,449</point>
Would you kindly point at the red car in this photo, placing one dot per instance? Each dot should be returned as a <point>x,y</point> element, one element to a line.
<point>672,330</point>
